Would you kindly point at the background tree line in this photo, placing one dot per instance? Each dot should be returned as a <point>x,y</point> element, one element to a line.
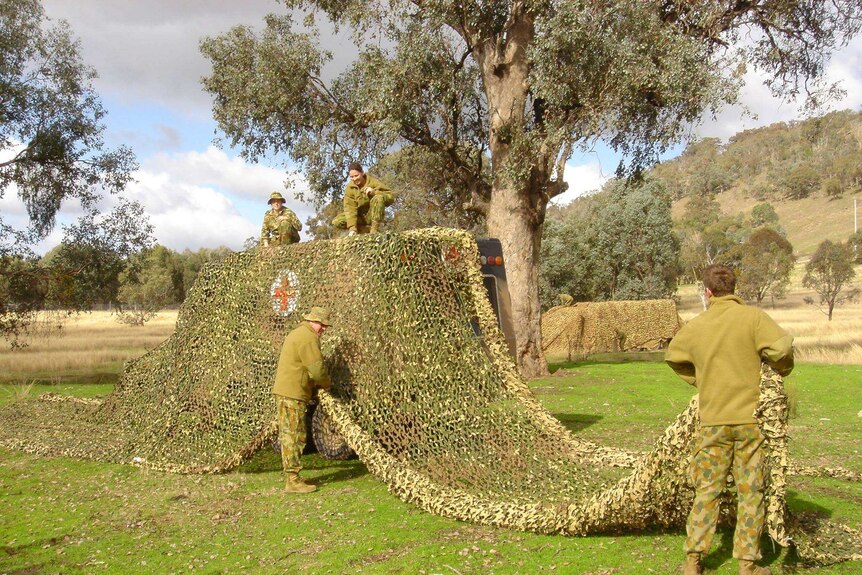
<point>622,243</point>
<point>149,280</point>
<point>599,247</point>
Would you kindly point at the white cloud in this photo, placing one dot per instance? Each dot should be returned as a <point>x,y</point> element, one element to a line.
<point>193,199</point>
<point>206,199</point>
<point>582,178</point>
<point>845,67</point>
<point>231,174</point>
<point>148,51</point>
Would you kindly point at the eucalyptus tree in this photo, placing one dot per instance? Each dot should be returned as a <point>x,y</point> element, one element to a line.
<point>763,262</point>
<point>520,82</point>
<point>829,273</point>
<point>51,124</point>
<point>52,151</point>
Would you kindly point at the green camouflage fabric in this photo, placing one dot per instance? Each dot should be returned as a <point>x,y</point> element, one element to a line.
<point>291,432</point>
<point>280,228</point>
<point>423,389</point>
<point>722,449</point>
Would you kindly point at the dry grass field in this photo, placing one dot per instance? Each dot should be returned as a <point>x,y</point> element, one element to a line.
<point>816,339</point>
<point>95,343</point>
<point>88,344</point>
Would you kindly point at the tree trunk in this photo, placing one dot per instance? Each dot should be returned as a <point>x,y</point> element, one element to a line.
<point>510,219</point>
<point>516,210</point>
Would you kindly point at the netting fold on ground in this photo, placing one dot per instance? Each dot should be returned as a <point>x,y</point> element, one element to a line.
<point>424,391</point>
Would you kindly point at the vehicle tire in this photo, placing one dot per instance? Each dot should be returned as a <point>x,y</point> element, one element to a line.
<point>328,441</point>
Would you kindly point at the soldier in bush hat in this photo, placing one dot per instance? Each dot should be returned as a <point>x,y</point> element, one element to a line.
<point>300,370</point>
<point>280,224</point>
<point>720,352</point>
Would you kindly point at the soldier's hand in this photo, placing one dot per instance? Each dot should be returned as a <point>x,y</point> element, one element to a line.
<point>369,192</point>
<point>351,233</point>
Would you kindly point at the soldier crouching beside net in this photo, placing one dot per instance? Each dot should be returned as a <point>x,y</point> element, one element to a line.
<point>300,370</point>
<point>720,352</point>
<point>280,224</point>
<point>365,201</point>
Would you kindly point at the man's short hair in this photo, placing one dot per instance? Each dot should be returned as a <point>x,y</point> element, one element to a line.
<point>719,279</point>
<point>355,166</point>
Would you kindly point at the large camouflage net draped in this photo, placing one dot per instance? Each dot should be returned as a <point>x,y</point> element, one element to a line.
<point>607,326</point>
<point>424,391</point>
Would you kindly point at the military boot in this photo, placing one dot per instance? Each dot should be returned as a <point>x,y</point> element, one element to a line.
<point>294,484</point>
<point>691,566</point>
<point>747,567</point>
<point>375,227</point>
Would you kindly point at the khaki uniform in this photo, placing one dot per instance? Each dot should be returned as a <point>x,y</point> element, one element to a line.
<point>300,369</point>
<point>720,352</point>
<point>364,206</point>
<point>280,228</point>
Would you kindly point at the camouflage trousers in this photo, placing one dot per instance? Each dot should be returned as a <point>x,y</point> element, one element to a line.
<point>371,212</point>
<point>291,432</point>
<point>722,449</point>
<point>285,234</point>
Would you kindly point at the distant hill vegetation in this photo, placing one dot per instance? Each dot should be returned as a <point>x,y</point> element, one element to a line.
<point>809,171</point>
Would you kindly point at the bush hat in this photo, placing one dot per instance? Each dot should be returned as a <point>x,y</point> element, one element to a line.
<point>275,196</point>
<point>318,314</point>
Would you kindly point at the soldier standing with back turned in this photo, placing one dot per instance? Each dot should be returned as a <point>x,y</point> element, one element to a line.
<point>720,352</point>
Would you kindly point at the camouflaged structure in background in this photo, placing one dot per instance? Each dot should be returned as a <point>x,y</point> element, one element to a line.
<point>605,326</point>
<point>423,390</point>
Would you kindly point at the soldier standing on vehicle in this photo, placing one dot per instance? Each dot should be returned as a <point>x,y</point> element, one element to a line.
<point>280,224</point>
<point>300,370</point>
<point>365,200</point>
<point>720,352</point>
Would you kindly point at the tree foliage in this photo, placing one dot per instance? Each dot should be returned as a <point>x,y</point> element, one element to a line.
<point>424,197</point>
<point>77,274</point>
<point>50,120</point>
<point>763,214</point>
<point>829,272</point>
<point>522,83</point>
<point>620,247</point>
<point>706,234</point>
<point>763,262</point>
<point>147,285</point>
<point>52,152</point>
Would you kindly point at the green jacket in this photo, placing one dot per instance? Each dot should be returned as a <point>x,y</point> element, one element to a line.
<point>280,227</point>
<point>720,352</point>
<point>357,201</point>
<point>300,365</point>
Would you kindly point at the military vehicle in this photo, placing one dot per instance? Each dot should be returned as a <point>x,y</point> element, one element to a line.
<point>323,438</point>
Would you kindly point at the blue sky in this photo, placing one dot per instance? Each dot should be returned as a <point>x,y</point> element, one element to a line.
<point>197,195</point>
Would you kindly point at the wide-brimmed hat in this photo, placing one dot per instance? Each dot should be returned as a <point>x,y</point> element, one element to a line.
<point>275,196</point>
<point>318,314</point>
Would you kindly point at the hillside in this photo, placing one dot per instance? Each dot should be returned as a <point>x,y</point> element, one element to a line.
<point>809,171</point>
<point>807,221</point>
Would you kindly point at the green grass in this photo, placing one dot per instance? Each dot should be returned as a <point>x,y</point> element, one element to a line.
<point>61,515</point>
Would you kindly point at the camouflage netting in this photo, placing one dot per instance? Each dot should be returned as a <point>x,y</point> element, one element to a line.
<point>424,391</point>
<point>595,327</point>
